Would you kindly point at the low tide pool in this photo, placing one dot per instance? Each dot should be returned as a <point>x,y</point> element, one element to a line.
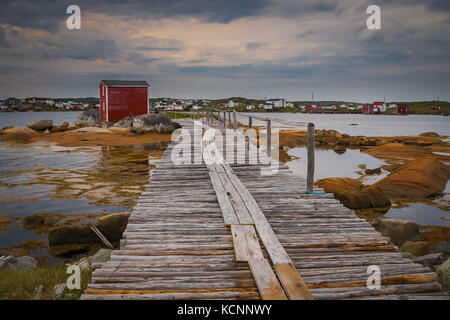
<point>350,164</point>
<point>422,214</point>
<point>328,163</point>
<point>73,184</point>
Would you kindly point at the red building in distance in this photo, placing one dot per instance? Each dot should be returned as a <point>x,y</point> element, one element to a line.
<point>122,98</point>
<point>403,109</point>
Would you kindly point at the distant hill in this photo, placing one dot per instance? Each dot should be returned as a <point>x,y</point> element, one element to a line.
<point>82,100</point>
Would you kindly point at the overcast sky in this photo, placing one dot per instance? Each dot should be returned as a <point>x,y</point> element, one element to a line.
<point>215,49</point>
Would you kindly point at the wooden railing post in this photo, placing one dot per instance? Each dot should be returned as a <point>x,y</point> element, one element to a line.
<point>224,119</point>
<point>310,148</point>
<point>248,132</point>
<point>229,119</point>
<point>269,140</point>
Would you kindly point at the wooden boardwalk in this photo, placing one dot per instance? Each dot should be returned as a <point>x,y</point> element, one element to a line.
<point>211,231</point>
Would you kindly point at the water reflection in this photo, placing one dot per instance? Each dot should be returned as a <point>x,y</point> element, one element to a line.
<point>331,164</point>
<point>422,214</point>
<point>82,182</point>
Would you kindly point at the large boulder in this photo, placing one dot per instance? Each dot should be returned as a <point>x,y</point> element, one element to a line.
<point>17,263</point>
<point>399,231</point>
<point>88,118</point>
<point>420,178</point>
<point>418,248</point>
<point>111,226</point>
<point>126,122</point>
<point>398,151</point>
<point>353,194</point>
<point>432,259</point>
<point>19,134</point>
<point>154,123</point>
<point>40,125</point>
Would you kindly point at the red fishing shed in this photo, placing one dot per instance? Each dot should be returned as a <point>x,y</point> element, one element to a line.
<point>122,98</point>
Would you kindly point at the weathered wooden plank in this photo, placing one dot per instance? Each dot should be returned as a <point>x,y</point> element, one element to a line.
<point>267,282</point>
<point>292,282</point>
<point>229,215</point>
<point>239,243</point>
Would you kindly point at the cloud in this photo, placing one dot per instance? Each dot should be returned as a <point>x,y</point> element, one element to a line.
<point>254,45</point>
<point>258,46</point>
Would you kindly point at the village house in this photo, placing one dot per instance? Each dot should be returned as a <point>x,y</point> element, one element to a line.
<point>2,105</point>
<point>122,98</point>
<point>250,107</point>
<point>380,106</point>
<point>369,109</point>
<point>277,103</point>
<point>434,108</point>
<point>231,104</point>
<point>314,109</point>
<point>403,109</point>
<point>268,105</point>
<point>12,101</point>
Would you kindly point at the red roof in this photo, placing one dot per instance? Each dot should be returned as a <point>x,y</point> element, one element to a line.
<point>378,103</point>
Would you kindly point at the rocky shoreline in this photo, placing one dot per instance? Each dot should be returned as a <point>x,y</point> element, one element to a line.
<point>417,171</point>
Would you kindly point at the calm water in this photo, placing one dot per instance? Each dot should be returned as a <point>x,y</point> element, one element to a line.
<point>374,125</point>
<point>422,214</point>
<point>331,164</point>
<point>89,181</point>
<point>20,119</point>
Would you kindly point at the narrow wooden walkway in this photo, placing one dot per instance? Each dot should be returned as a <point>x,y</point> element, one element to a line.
<point>203,231</point>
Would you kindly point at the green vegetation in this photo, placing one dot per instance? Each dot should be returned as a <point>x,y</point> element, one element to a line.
<point>181,115</point>
<point>423,107</point>
<point>21,284</point>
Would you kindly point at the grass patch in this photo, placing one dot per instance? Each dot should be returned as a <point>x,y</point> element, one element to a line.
<point>181,115</point>
<point>20,284</point>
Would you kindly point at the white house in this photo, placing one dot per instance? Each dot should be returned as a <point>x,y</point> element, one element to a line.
<point>268,105</point>
<point>178,106</point>
<point>231,104</point>
<point>196,107</point>
<point>277,103</point>
<point>289,105</point>
<point>50,102</point>
<point>250,107</point>
<point>343,106</point>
